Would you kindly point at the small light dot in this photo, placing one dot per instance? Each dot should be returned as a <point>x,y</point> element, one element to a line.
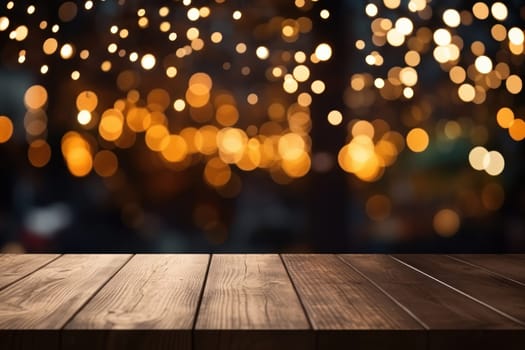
<point>252,98</point>
<point>84,117</point>
<point>237,15</point>
<point>179,105</point>
<point>148,61</point>
<point>335,117</point>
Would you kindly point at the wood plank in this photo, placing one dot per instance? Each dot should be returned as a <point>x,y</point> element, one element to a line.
<point>509,265</point>
<point>454,321</point>
<point>14,267</point>
<point>151,303</point>
<point>494,291</point>
<point>33,310</point>
<point>249,303</point>
<point>346,309</point>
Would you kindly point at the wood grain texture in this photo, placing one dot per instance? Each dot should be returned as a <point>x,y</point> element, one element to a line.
<point>14,267</point>
<point>151,303</point>
<point>248,302</point>
<point>45,300</point>
<point>454,321</point>
<point>347,309</point>
<point>490,289</point>
<point>509,265</point>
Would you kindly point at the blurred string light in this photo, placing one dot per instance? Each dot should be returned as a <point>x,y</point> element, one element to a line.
<point>219,134</point>
<point>188,116</point>
<point>479,50</point>
<point>474,73</point>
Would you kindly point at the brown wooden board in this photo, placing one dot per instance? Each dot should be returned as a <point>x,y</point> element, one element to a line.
<point>511,266</point>
<point>33,310</point>
<point>491,290</point>
<point>151,303</point>
<point>249,303</point>
<point>453,320</point>
<point>346,310</point>
<point>14,267</point>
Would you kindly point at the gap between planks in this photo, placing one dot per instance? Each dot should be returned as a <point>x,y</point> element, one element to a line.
<point>21,277</point>
<point>459,291</point>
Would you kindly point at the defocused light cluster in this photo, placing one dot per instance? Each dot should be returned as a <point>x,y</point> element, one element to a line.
<point>228,88</point>
<point>220,129</point>
<point>480,51</point>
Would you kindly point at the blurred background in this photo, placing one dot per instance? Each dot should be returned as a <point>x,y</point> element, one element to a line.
<point>258,126</point>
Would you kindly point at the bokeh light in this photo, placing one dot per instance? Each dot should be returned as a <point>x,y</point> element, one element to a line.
<point>404,118</point>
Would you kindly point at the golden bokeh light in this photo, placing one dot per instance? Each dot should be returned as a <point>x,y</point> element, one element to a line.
<point>67,51</point>
<point>6,129</point>
<point>50,46</point>
<point>84,117</point>
<point>318,87</point>
<point>218,115</point>
<point>483,64</point>
<point>227,115</point>
<point>157,138</point>
<point>176,149</point>
<point>505,117</point>
<point>466,92</point>
<point>371,10</point>
<point>262,52</point>
<point>499,11</point>
<point>480,10</point>
<point>514,84</point>
<point>111,124</point>
<point>35,97</point>
<point>291,146</point>
<point>493,163</point>
<point>476,157</point>
<point>4,23</point>
<point>517,129</point>
<point>457,74</point>
<point>417,140</point>
<point>442,37</point>
<point>323,52</point>
<point>148,61</point>
<point>516,36</point>
<point>452,18</point>
<point>77,154</point>
<point>105,163</point>
<point>446,222</point>
<point>335,117</point>
<point>392,4</point>
<point>39,153</point>
<point>216,172</point>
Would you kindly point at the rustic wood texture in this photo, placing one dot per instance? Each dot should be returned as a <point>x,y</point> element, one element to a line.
<point>48,298</point>
<point>14,267</point>
<point>150,303</point>
<point>511,266</point>
<point>442,310</point>
<point>251,293</point>
<point>337,298</point>
<point>492,290</point>
<point>302,301</point>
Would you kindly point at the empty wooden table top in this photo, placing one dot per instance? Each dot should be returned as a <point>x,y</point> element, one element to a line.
<point>261,301</point>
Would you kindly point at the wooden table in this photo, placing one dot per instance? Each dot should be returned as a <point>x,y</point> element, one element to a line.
<point>270,301</point>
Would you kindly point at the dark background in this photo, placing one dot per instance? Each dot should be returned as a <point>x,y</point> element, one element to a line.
<point>148,207</point>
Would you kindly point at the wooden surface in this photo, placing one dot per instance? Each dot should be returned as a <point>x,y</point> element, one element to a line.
<point>251,293</point>
<point>351,303</point>
<point>154,292</point>
<point>262,301</point>
<point>17,266</point>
